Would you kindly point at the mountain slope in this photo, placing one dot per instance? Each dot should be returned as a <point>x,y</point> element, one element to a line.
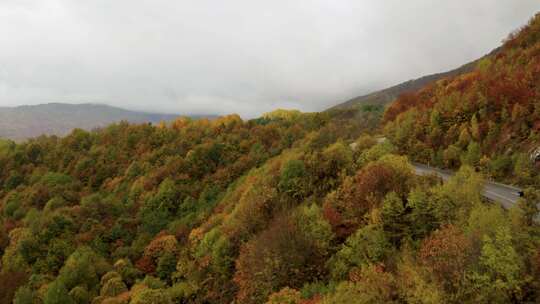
<point>488,118</point>
<point>19,123</point>
<point>206,211</point>
<point>388,95</point>
<point>279,209</point>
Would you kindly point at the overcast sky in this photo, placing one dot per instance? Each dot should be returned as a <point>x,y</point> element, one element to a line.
<point>243,56</point>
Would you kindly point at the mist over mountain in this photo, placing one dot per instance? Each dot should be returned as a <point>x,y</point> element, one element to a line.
<point>247,57</point>
<point>430,197</point>
<point>386,96</point>
<point>22,122</point>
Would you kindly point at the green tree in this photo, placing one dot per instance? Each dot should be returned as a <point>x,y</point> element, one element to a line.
<point>154,220</point>
<point>80,295</point>
<point>456,197</point>
<point>375,153</point>
<point>113,287</point>
<point>502,268</point>
<point>523,169</point>
<point>451,156</point>
<point>528,205</point>
<point>368,245</point>
<point>394,218</point>
<point>151,296</point>
<point>413,283</point>
<point>422,217</point>
<point>83,267</point>
<point>464,137</point>
<point>475,128</point>
<point>57,293</point>
<point>292,180</point>
<point>311,223</point>
<point>24,295</point>
<point>373,286</point>
<point>472,156</point>
<point>166,266</point>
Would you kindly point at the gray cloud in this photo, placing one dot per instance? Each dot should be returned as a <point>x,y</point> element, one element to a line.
<point>243,56</point>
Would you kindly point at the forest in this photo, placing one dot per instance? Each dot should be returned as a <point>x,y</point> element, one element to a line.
<point>488,119</point>
<point>291,207</point>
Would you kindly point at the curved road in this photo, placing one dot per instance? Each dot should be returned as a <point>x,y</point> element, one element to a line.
<point>506,195</point>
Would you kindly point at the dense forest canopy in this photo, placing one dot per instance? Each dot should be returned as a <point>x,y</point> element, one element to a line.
<point>488,118</point>
<point>284,208</point>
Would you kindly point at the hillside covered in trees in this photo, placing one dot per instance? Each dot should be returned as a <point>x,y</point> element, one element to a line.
<point>488,118</point>
<point>388,95</point>
<point>283,209</point>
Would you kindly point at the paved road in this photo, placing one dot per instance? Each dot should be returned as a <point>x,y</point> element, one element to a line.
<point>506,195</point>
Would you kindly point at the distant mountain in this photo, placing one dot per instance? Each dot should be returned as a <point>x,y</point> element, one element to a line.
<point>19,123</point>
<point>388,95</point>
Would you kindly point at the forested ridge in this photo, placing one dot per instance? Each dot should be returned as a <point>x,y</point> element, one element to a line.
<point>284,208</point>
<point>488,118</point>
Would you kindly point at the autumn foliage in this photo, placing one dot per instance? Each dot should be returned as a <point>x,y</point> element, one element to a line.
<point>475,118</point>
<point>291,207</point>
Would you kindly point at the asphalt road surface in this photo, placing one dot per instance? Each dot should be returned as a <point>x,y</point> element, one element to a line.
<point>506,195</point>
